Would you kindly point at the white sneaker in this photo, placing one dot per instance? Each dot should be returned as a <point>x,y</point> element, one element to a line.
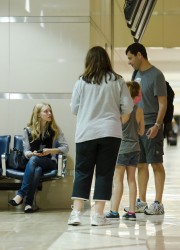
<point>75,218</point>
<point>139,208</point>
<point>155,209</point>
<point>100,220</point>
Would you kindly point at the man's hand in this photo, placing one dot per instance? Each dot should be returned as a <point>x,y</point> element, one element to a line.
<point>152,132</point>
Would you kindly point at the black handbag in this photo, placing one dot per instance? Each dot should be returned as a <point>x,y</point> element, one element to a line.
<point>16,160</point>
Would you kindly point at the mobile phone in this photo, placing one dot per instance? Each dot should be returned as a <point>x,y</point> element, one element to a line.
<point>40,151</point>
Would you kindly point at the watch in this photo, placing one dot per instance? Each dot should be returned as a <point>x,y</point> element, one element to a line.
<point>157,125</point>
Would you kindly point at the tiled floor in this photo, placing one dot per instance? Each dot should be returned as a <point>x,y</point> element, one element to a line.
<point>48,229</point>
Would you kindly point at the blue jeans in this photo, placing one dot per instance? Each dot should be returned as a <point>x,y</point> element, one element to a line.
<point>35,168</point>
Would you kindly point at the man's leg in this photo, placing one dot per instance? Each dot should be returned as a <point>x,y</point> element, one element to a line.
<point>155,157</point>
<point>159,177</point>
<point>157,208</point>
<point>143,177</point>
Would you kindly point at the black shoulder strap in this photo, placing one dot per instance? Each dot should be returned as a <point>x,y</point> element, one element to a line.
<point>134,75</point>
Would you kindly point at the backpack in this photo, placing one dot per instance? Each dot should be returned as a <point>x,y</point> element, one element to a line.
<point>170,106</point>
<point>170,109</point>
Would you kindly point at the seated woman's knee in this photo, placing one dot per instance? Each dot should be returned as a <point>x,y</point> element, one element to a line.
<point>33,160</point>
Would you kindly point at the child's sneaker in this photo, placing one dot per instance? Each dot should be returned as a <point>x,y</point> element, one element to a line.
<point>100,220</point>
<point>75,218</point>
<point>140,206</point>
<point>129,216</point>
<point>155,209</point>
<point>112,215</point>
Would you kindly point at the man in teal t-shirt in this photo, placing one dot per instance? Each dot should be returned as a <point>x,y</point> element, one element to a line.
<point>154,104</point>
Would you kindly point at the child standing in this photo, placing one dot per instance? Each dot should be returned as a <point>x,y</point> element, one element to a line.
<point>128,156</point>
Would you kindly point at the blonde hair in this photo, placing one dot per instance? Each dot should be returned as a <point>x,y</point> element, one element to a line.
<point>134,88</point>
<point>35,125</point>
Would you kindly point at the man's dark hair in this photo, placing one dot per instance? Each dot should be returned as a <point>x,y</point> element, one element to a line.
<point>134,48</point>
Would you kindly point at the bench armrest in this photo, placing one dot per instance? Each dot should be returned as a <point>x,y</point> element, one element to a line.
<point>61,165</point>
<point>3,161</point>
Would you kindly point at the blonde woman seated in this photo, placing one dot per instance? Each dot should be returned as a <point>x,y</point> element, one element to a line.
<point>43,139</point>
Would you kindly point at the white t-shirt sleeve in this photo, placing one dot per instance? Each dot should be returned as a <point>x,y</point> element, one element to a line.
<point>75,99</point>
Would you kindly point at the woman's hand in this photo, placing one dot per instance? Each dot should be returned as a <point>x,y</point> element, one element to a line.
<point>46,151</point>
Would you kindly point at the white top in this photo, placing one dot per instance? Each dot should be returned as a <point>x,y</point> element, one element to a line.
<point>98,108</point>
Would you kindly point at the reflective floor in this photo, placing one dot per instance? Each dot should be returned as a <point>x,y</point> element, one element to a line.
<point>48,229</point>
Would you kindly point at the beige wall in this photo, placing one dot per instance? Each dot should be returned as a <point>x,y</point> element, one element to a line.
<point>162,29</point>
<point>100,13</point>
<point>101,25</point>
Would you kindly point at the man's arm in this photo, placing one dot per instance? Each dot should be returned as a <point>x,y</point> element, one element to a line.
<point>152,132</point>
<point>162,100</point>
